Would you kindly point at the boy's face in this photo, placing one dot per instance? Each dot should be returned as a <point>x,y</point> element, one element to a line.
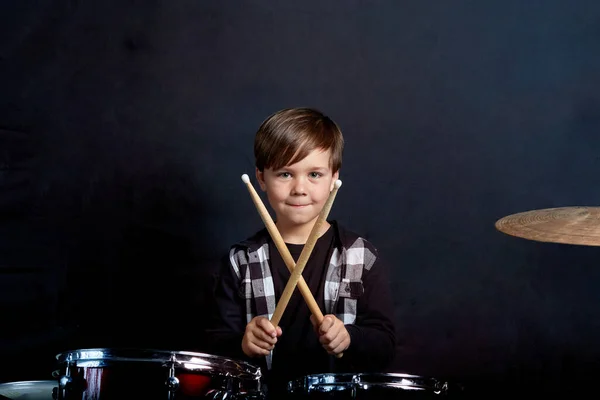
<point>299,191</point>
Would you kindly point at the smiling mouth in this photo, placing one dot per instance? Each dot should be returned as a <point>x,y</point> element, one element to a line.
<point>298,205</point>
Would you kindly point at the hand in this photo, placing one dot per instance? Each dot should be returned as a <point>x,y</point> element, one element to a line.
<point>260,337</point>
<point>333,335</point>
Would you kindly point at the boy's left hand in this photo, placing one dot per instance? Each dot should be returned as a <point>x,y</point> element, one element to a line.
<point>332,334</point>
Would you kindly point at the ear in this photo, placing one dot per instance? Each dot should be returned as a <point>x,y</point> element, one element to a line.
<point>334,178</point>
<point>260,177</point>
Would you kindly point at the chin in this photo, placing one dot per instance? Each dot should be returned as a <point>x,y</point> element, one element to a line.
<point>298,220</point>
<point>303,221</point>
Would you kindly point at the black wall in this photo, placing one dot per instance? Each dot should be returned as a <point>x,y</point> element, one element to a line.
<point>125,127</point>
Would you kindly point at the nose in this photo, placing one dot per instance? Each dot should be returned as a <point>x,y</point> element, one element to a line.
<point>299,187</point>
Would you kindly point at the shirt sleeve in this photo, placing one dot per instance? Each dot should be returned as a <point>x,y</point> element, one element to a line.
<point>372,335</point>
<point>228,314</point>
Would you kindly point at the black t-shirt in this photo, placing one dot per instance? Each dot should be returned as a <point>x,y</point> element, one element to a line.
<point>298,351</point>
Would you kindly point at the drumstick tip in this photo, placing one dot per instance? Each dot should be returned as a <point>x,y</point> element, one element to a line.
<point>338,183</point>
<point>245,178</point>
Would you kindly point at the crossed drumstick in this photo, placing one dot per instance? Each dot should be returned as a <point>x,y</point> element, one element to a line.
<point>295,269</point>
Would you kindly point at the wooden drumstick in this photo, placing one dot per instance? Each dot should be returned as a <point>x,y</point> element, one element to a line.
<point>283,250</point>
<point>304,255</point>
<point>285,253</point>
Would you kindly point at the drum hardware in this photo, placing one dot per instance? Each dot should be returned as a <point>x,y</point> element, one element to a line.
<point>368,386</point>
<point>172,382</point>
<point>140,373</point>
<point>64,382</point>
<point>67,384</point>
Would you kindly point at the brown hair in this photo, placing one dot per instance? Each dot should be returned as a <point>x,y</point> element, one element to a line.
<point>287,136</point>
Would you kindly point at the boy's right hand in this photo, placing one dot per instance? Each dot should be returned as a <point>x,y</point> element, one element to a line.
<point>260,337</point>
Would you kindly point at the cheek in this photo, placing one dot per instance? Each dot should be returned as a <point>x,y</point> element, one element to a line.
<point>322,195</point>
<point>276,195</point>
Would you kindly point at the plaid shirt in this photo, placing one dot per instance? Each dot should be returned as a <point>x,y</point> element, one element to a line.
<point>351,255</point>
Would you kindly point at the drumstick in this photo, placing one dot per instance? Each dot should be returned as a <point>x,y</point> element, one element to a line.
<point>285,253</point>
<point>283,250</point>
<point>304,255</point>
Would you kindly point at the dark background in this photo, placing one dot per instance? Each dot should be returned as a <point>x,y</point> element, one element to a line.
<point>125,127</point>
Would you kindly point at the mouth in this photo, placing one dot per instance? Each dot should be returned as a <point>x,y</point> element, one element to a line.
<point>298,205</point>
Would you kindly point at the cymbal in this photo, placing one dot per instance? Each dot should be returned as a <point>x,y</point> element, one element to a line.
<point>568,225</point>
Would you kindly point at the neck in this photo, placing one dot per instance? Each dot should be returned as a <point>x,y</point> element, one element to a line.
<point>299,234</point>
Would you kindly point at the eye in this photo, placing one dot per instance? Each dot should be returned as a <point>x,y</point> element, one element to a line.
<point>284,175</point>
<point>315,175</point>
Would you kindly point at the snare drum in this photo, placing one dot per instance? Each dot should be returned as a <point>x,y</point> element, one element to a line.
<point>101,374</point>
<point>378,386</point>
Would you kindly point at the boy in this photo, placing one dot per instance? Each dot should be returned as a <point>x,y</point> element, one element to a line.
<point>298,154</point>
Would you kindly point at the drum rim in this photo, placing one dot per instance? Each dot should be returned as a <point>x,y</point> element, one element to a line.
<point>312,382</point>
<point>188,360</point>
<point>366,374</point>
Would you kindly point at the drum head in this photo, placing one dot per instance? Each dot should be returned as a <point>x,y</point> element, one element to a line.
<point>183,360</point>
<point>27,390</point>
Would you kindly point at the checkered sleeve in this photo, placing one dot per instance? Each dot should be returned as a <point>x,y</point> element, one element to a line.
<point>373,331</point>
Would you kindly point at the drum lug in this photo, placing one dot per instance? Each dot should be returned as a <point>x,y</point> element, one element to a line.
<point>355,384</point>
<point>67,386</point>
<point>172,383</point>
<point>65,382</point>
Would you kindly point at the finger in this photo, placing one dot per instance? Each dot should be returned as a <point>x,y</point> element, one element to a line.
<point>258,350</point>
<point>267,326</point>
<point>326,340</point>
<point>252,349</point>
<point>327,323</point>
<point>263,344</point>
<point>338,342</point>
<point>262,340</point>
<point>338,349</point>
<point>332,333</point>
<point>260,334</point>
